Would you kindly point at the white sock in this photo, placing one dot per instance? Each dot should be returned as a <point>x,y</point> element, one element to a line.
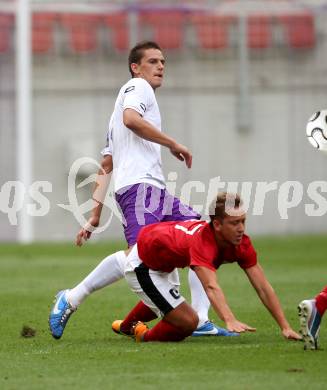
<point>107,272</point>
<point>200,301</point>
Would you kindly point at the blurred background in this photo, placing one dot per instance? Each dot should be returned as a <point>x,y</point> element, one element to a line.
<point>242,79</point>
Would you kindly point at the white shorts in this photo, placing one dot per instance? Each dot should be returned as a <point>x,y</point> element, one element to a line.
<point>158,290</point>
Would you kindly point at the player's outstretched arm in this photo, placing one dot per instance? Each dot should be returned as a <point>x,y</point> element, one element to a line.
<point>99,193</point>
<point>218,300</point>
<point>270,300</point>
<point>134,121</point>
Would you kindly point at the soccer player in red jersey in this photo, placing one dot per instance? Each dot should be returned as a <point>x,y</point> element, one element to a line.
<point>310,313</point>
<point>162,248</point>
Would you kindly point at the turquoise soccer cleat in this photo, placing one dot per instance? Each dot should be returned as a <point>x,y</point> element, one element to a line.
<point>210,329</point>
<point>60,314</point>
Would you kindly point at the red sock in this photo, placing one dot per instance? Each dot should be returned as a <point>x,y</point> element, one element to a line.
<point>140,312</point>
<point>321,301</point>
<point>164,331</point>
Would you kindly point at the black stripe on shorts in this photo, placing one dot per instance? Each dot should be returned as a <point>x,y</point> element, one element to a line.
<point>143,277</point>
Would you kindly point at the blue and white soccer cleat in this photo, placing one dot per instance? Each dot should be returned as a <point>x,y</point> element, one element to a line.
<point>60,314</point>
<point>310,321</point>
<point>210,329</point>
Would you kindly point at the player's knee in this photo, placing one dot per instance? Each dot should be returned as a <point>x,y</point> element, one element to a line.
<point>190,323</point>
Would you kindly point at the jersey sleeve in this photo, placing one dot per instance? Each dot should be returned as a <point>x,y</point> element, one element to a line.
<point>248,255</point>
<point>137,96</point>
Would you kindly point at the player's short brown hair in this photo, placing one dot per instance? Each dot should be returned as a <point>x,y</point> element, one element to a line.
<point>137,53</point>
<point>223,202</point>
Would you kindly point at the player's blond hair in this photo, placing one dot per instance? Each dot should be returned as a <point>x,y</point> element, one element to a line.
<point>222,203</point>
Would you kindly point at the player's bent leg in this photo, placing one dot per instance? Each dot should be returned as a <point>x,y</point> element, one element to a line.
<point>176,325</point>
<point>162,296</point>
<point>183,317</point>
<point>110,270</point>
<point>140,313</point>
<point>199,299</point>
<point>160,292</point>
<point>201,305</point>
<point>107,272</point>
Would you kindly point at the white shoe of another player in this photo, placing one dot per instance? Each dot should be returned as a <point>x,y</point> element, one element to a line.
<point>310,321</point>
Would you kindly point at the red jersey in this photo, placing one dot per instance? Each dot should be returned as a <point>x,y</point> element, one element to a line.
<point>167,245</point>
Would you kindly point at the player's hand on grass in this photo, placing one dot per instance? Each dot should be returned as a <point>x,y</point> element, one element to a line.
<point>237,326</point>
<point>290,334</point>
<point>182,153</point>
<point>85,233</point>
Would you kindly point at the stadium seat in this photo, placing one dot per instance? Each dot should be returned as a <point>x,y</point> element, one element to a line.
<point>6,23</point>
<point>211,30</point>
<point>82,29</point>
<point>166,26</point>
<point>299,30</point>
<point>118,24</point>
<point>42,32</point>
<point>259,32</point>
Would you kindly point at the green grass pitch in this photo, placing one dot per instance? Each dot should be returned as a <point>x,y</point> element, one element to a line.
<point>91,356</point>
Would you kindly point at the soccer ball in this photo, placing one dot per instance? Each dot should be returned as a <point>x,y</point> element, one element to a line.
<point>317,130</point>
